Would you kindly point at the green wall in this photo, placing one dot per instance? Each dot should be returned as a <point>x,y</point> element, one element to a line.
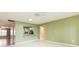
<point>63,30</point>
<point>19,32</point>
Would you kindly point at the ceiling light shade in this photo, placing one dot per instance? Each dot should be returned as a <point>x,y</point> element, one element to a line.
<point>30,19</point>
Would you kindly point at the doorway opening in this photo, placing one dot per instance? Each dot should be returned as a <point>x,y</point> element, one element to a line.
<point>42,33</point>
<point>7,33</point>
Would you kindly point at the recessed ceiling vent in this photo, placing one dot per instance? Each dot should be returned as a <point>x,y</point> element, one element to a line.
<point>37,14</point>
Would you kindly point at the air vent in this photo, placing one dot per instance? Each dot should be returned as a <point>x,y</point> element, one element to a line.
<point>37,14</point>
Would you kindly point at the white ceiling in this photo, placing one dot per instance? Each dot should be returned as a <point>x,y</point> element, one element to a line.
<point>43,17</point>
<point>6,23</point>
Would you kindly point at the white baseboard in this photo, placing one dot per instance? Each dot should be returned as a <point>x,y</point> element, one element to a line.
<point>62,43</point>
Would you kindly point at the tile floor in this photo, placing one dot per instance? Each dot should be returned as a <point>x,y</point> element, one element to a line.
<point>3,42</point>
<point>37,43</point>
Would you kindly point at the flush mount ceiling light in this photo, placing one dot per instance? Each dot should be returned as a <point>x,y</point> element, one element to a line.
<point>40,14</point>
<point>37,15</point>
<point>30,19</point>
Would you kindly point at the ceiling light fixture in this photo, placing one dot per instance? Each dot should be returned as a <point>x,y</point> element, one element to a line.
<point>39,15</point>
<point>30,19</point>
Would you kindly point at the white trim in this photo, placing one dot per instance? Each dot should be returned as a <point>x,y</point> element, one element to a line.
<point>62,43</point>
